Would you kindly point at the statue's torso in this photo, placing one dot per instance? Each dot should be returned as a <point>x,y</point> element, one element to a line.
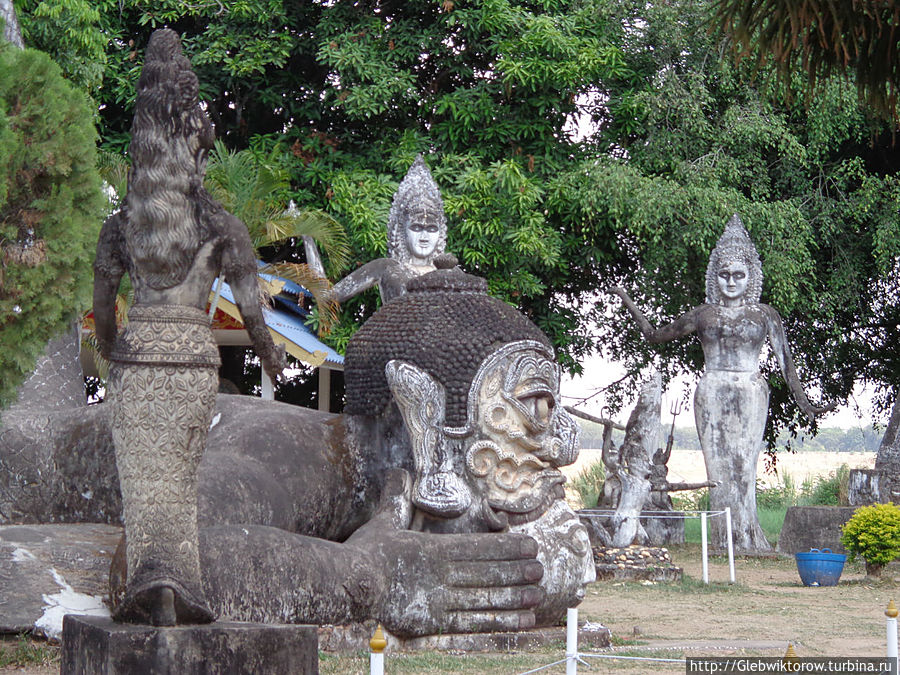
<point>732,337</point>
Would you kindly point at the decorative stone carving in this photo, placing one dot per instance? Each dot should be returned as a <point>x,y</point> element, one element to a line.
<point>731,401</point>
<point>172,239</point>
<point>416,235</point>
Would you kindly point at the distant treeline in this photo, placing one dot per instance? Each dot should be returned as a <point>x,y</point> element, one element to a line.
<point>831,439</point>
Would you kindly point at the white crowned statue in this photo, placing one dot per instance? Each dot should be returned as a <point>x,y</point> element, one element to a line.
<point>732,399</point>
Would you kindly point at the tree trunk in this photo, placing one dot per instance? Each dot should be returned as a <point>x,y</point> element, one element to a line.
<point>641,441</point>
<point>11,31</point>
<point>874,569</point>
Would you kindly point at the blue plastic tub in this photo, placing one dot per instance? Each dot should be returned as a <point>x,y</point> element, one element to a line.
<point>820,568</point>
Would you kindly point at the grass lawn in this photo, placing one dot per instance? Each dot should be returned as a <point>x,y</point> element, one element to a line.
<point>770,520</point>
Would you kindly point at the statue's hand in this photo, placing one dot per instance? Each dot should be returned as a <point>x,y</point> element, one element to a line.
<point>275,363</point>
<point>449,583</point>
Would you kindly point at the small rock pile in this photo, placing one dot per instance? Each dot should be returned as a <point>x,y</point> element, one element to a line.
<point>635,563</point>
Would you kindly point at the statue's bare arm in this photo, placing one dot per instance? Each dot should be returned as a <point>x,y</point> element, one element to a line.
<point>683,325</point>
<point>361,279</point>
<point>109,268</point>
<point>775,329</point>
<point>239,266</point>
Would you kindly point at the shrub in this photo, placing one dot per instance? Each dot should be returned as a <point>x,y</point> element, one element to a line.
<point>778,496</point>
<point>873,533</point>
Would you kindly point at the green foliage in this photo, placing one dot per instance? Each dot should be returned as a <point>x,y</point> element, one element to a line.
<point>873,533</point>
<point>51,208</point>
<point>830,490</point>
<point>589,484</point>
<point>779,496</point>
<point>69,31</point>
<point>26,652</point>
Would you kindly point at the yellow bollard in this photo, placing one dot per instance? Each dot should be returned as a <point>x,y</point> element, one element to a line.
<point>376,657</point>
<point>790,662</point>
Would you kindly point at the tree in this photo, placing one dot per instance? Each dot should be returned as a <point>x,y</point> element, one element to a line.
<point>51,207</point>
<point>699,138</point>
<point>822,38</point>
<point>346,93</point>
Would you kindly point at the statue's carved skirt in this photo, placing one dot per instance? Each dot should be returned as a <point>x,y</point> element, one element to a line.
<point>162,390</point>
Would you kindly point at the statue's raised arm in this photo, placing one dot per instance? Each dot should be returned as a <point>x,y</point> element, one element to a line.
<point>683,325</point>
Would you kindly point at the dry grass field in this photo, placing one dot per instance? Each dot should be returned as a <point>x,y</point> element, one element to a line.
<point>688,466</point>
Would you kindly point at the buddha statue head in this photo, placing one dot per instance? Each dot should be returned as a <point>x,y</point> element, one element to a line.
<point>475,386</point>
<point>417,226</point>
<point>734,273</point>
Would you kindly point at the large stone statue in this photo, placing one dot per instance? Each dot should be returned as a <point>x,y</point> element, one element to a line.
<point>441,480</point>
<point>416,235</point>
<point>173,240</point>
<point>732,398</point>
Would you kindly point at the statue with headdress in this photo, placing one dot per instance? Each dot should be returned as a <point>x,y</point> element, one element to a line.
<point>416,235</point>
<point>172,240</point>
<point>732,399</point>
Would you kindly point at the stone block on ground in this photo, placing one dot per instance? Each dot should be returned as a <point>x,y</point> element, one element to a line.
<point>99,646</point>
<point>47,571</point>
<point>807,527</point>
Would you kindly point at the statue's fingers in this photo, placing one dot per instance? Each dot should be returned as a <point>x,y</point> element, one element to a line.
<point>501,546</point>
<point>492,599</point>
<point>481,574</point>
<point>488,622</point>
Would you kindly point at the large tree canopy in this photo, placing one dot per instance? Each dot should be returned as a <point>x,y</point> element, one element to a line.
<point>673,138</point>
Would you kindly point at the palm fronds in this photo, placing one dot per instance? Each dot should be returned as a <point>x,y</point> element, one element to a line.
<point>858,36</point>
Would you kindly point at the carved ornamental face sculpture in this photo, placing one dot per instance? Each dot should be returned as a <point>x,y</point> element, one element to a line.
<point>732,278</point>
<point>521,435</point>
<point>417,226</point>
<point>502,467</point>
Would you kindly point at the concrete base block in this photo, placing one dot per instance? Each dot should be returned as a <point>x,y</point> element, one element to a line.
<point>99,646</point>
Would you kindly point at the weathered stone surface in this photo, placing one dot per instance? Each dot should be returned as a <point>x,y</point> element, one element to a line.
<point>98,646</point>
<point>807,527</point>
<point>49,570</point>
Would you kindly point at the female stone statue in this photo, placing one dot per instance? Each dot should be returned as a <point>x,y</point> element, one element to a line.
<point>173,240</point>
<point>732,399</point>
<point>416,235</point>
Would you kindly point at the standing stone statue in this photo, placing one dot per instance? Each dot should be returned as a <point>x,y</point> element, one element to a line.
<point>416,235</point>
<point>732,399</point>
<point>173,240</point>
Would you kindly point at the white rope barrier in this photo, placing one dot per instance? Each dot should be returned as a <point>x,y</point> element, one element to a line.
<point>574,657</point>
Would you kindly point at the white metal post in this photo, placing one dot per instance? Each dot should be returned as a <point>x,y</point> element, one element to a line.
<point>730,543</point>
<point>891,614</point>
<point>572,641</point>
<point>703,543</point>
<point>376,652</point>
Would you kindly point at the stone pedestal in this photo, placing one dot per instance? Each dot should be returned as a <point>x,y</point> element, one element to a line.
<point>807,527</point>
<point>99,646</point>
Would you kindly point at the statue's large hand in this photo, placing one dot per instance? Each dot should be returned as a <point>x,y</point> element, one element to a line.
<point>448,583</point>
